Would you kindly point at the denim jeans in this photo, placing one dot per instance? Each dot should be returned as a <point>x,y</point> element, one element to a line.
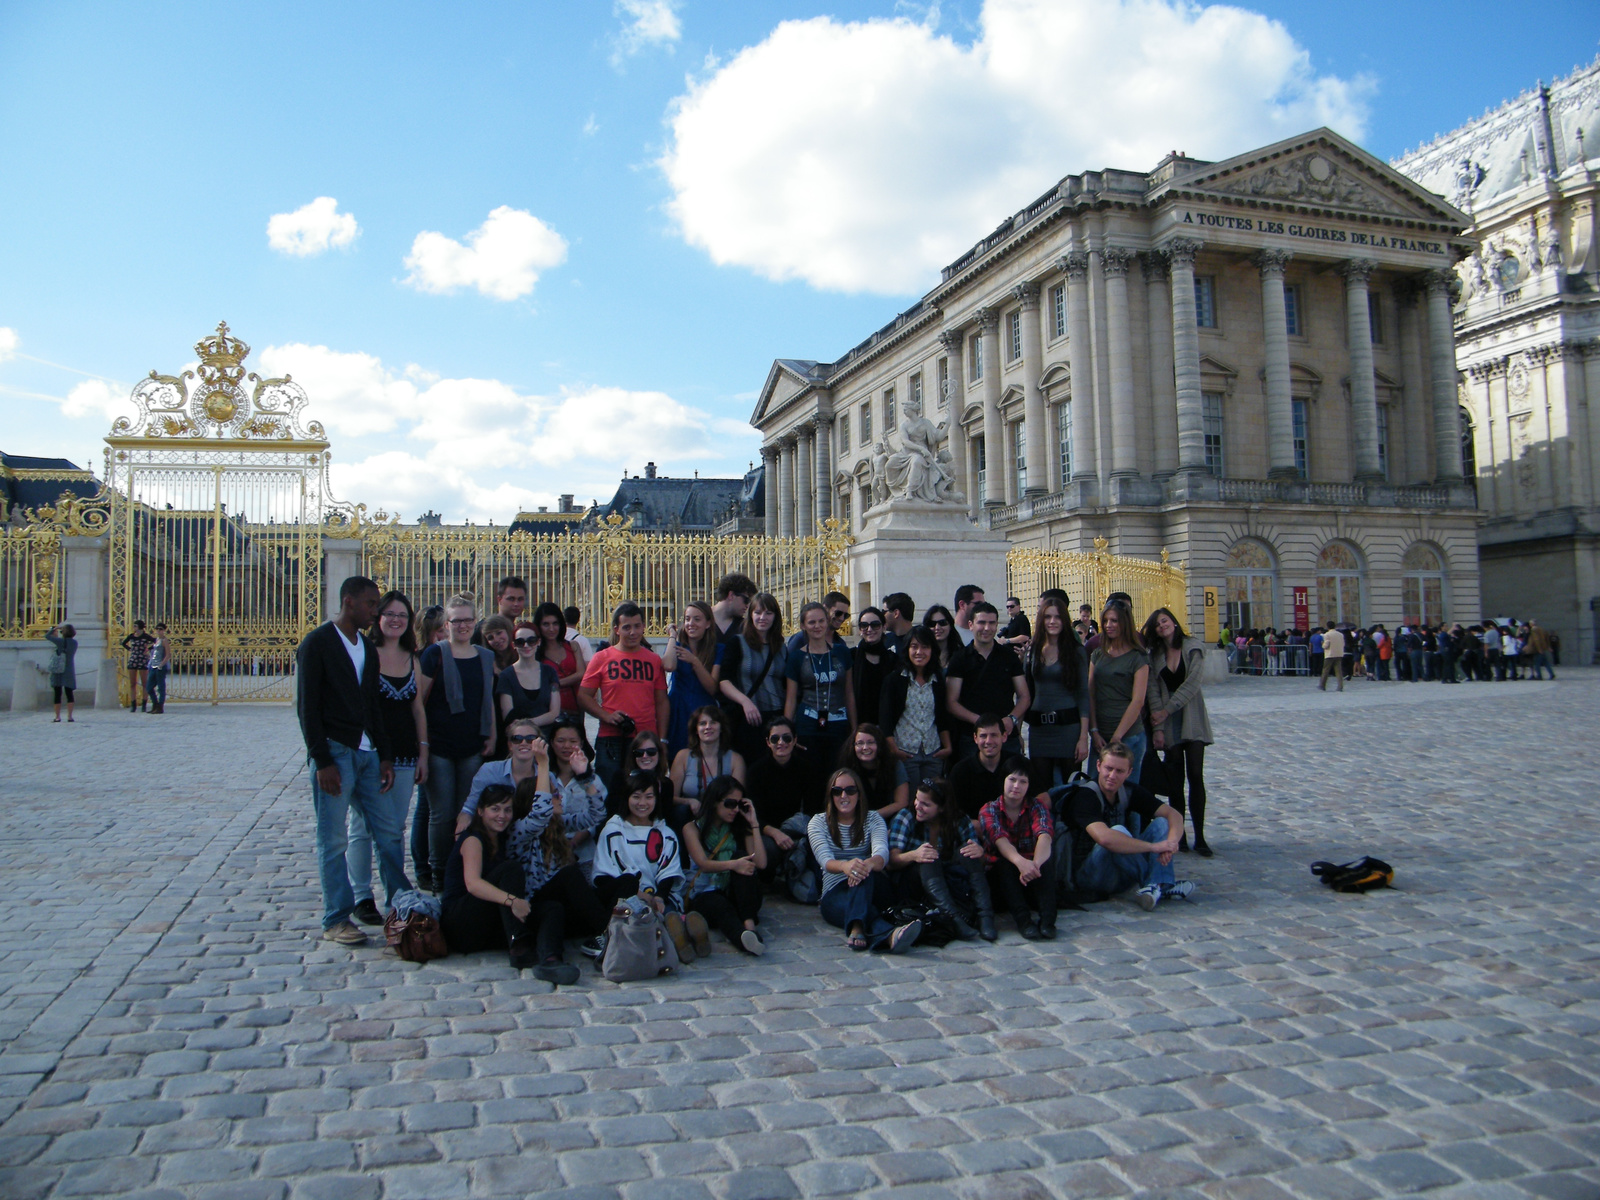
<point>1109,873</point>
<point>449,781</point>
<point>358,788</point>
<point>844,906</point>
<point>1541,662</point>
<point>358,847</point>
<point>156,685</point>
<point>922,766</point>
<point>1135,740</point>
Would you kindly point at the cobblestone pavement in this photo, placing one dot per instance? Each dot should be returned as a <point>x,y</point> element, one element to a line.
<point>172,1025</point>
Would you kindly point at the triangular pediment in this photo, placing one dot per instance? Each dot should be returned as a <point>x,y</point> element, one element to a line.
<point>786,380</point>
<point>1319,170</point>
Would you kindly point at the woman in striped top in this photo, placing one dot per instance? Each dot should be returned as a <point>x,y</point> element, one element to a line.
<point>852,844</point>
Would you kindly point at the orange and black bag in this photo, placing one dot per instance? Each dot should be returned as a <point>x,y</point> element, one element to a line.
<point>1362,875</point>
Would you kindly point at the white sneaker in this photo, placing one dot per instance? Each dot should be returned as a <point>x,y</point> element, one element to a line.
<point>751,941</point>
<point>1180,889</point>
<point>1148,896</point>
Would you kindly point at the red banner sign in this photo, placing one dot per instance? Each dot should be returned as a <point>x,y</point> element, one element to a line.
<point>1302,607</point>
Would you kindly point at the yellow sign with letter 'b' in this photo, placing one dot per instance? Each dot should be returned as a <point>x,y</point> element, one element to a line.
<point>1213,622</point>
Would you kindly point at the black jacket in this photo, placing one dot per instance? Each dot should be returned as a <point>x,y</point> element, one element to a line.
<point>332,704</point>
<point>892,701</point>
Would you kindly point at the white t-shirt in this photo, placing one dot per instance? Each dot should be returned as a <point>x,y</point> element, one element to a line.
<point>358,660</point>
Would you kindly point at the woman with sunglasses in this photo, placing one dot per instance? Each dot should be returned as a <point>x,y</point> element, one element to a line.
<point>528,688</point>
<point>401,705</point>
<point>872,663</point>
<point>647,753</point>
<point>560,655</point>
<point>752,673</point>
<point>786,787</point>
<point>852,846</point>
<point>938,621</point>
<point>725,847</point>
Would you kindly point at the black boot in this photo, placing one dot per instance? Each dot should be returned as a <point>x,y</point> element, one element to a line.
<point>937,888</point>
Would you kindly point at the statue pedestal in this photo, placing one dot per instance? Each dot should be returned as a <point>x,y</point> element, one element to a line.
<point>926,550</point>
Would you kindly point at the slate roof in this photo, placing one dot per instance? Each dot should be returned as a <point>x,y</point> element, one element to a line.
<point>695,504</point>
<point>57,475</point>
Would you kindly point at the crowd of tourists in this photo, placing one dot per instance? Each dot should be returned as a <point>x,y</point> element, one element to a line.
<point>948,768</point>
<point>1495,650</point>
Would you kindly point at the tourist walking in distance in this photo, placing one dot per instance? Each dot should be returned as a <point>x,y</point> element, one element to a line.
<point>1332,657</point>
<point>1179,724</point>
<point>63,666</point>
<point>336,697</point>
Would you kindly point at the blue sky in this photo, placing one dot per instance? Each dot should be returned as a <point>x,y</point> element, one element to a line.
<point>664,195</point>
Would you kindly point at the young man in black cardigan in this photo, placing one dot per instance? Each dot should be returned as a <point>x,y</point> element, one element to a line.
<point>337,700</point>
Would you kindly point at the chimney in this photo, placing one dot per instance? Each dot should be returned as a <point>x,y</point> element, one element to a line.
<point>566,503</point>
<point>543,508</point>
<point>649,470</point>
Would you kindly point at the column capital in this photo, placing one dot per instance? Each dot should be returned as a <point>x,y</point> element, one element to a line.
<point>788,441</point>
<point>769,450</point>
<point>1156,265</point>
<point>821,423</point>
<point>1181,251</point>
<point>1439,280</point>
<point>952,340</point>
<point>1357,270</point>
<point>988,319</point>
<point>1075,264</point>
<point>1028,293</point>
<point>1272,262</point>
<point>1114,261</point>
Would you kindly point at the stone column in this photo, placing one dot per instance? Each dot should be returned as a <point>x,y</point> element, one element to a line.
<point>974,500</point>
<point>1363,387</point>
<point>1186,356</point>
<point>1124,448</point>
<point>805,513</point>
<point>823,444</point>
<point>1163,399</point>
<point>786,486</point>
<point>769,464</point>
<point>955,402</point>
<point>1080,365</point>
<point>1442,361</point>
<point>1275,330</point>
<point>1409,297</point>
<point>1033,411</point>
<point>994,432</point>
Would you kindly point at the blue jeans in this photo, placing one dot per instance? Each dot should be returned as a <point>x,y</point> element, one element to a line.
<point>1135,740</point>
<point>1109,873</point>
<point>358,788</point>
<point>449,781</point>
<point>156,685</point>
<point>844,906</point>
<point>358,847</point>
<point>1541,662</point>
<point>923,766</point>
<point>419,833</point>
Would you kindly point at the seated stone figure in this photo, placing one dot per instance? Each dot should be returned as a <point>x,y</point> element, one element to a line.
<point>1121,835</point>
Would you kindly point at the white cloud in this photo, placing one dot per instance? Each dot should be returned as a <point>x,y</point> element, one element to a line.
<point>647,23</point>
<point>502,257</point>
<point>312,229</point>
<point>480,449</point>
<point>97,398</point>
<point>863,156</point>
<point>9,341</point>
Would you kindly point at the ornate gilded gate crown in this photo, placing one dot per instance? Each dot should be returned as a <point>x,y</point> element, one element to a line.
<point>220,407</point>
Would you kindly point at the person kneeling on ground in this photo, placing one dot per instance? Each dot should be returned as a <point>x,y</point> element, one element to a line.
<point>637,854</point>
<point>851,842</point>
<point>1122,835</point>
<point>726,849</point>
<point>1017,829</point>
<point>483,902</point>
<point>936,855</point>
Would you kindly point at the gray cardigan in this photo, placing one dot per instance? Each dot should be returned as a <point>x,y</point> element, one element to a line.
<point>68,648</point>
<point>1187,720</point>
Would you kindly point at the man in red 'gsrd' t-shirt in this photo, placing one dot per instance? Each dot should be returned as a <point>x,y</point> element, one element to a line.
<point>624,681</point>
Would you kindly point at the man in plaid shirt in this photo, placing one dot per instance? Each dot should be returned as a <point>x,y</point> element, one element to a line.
<point>1017,833</point>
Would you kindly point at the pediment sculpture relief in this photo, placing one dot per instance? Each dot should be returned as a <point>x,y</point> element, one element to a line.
<point>1314,178</point>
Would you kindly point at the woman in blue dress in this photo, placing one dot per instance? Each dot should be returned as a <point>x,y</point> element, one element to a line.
<point>693,661</point>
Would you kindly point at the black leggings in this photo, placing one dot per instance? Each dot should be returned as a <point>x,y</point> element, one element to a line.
<point>59,690</point>
<point>566,901</point>
<point>1015,895</point>
<point>730,907</point>
<point>471,924</point>
<point>1188,758</point>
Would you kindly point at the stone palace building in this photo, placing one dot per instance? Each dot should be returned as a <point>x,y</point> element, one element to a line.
<point>1249,363</point>
<point>1528,344</point>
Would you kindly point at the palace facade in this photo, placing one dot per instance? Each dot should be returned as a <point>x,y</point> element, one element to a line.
<point>1528,344</point>
<point>1248,363</point>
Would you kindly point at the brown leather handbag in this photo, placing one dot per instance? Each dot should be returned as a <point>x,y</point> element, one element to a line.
<point>416,938</point>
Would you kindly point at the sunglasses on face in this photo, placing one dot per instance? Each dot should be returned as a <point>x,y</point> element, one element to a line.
<point>647,752</point>
<point>840,616</point>
<point>938,623</point>
<point>522,739</point>
<point>847,789</point>
<point>866,625</point>
<point>729,802</point>
<point>781,739</point>
<point>527,641</point>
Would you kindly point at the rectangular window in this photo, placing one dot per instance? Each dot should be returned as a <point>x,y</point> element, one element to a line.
<point>844,433</point>
<point>1064,432</point>
<point>983,465</point>
<point>1014,336</point>
<point>891,414</point>
<point>1302,457</point>
<point>944,381</point>
<point>977,358</point>
<point>1291,310</point>
<point>866,499</point>
<point>1375,318</point>
<point>1019,450</point>
<point>1383,440</point>
<point>916,388</point>
<point>866,422</point>
<point>844,508</point>
<point>1211,422</point>
<point>1058,310</point>
<point>1205,301</point>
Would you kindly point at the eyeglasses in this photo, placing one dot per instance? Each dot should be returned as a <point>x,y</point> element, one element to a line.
<point>647,752</point>
<point>781,739</point>
<point>388,616</point>
<point>527,641</point>
<point>847,789</point>
<point>866,625</point>
<point>462,621</point>
<point>522,739</point>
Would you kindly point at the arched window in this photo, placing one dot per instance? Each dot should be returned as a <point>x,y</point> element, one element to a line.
<point>1339,584</point>
<point>1469,453</point>
<point>1422,585</point>
<point>1252,586</point>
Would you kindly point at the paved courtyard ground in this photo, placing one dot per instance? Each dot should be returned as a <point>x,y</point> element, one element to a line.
<point>171,1025</point>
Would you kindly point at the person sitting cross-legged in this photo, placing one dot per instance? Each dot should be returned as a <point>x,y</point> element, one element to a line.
<point>1122,835</point>
<point>935,855</point>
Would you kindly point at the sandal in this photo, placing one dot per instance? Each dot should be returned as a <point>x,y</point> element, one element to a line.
<point>856,941</point>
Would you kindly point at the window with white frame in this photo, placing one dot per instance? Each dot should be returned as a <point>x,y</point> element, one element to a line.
<point>891,410</point>
<point>1014,336</point>
<point>1302,456</point>
<point>1383,440</point>
<point>944,381</point>
<point>1064,435</point>
<point>983,464</point>
<point>1205,301</point>
<point>976,356</point>
<point>1058,310</point>
<point>844,433</point>
<point>1291,310</point>
<point>866,421</point>
<point>1019,455</point>
<point>1211,423</point>
<point>915,388</point>
<point>844,508</point>
<point>866,498</point>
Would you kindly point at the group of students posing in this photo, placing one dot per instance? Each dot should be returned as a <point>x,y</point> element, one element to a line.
<point>872,779</point>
